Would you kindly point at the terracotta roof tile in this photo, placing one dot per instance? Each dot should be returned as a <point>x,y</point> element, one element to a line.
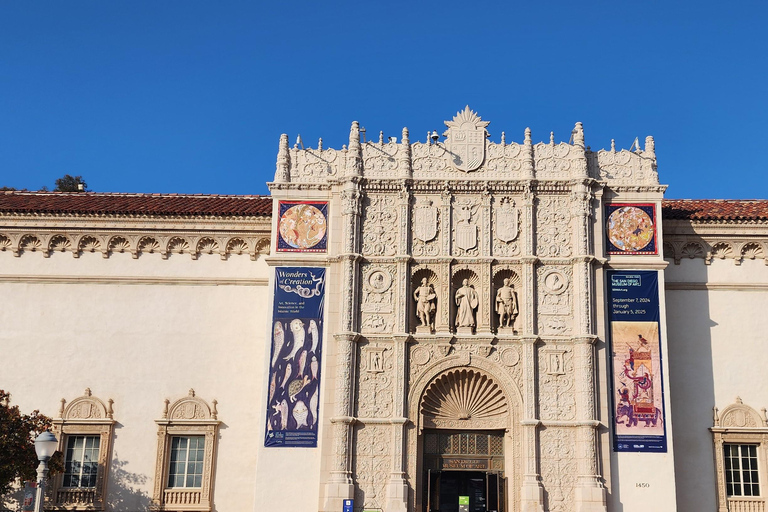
<point>715,209</point>
<point>95,203</point>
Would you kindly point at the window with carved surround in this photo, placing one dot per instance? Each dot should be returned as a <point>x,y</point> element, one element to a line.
<point>85,429</point>
<point>740,435</point>
<point>186,454</point>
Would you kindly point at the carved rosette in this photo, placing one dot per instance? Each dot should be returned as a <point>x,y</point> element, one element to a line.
<point>380,238</point>
<point>555,305</point>
<point>372,463</point>
<point>374,382</point>
<point>552,160</point>
<point>553,227</point>
<point>379,297</point>
<point>557,399</point>
<point>558,467</point>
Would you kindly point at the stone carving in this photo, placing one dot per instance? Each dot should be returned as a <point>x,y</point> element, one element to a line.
<point>86,407</point>
<point>504,158</point>
<point>380,159</point>
<point>465,141</point>
<point>553,227</point>
<point>558,468</point>
<point>740,416</point>
<point>379,219</point>
<point>377,308</point>
<point>424,220</point>
<point>506,304</point>
<point>466,304</point>
<point>551,160</point>
<point>555,300</point>
<point>464,398</point>
<point>465,230</point>
<point>426,307</point>
<point>507,224</point>
<point>372,465</point>
<point>374,382</point>
<point>313,165</point>
<point>557,399</point>
<point>428,158</point>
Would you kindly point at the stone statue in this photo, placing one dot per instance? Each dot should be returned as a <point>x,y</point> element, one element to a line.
<point>506,304</point>
<point>425,298</point>
<point>466,302</point>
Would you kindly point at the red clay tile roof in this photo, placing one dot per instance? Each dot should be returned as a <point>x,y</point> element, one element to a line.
<point>715,209</point>
<point>92,203</point>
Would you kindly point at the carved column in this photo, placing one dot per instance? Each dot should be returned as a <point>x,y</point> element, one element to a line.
<point>532,492</point>
<point>443,317</point>
<point>397,487</point>
<point>528,263</point>
<point>403,303</point>
<point>590,493</point>
<point>446,226</point>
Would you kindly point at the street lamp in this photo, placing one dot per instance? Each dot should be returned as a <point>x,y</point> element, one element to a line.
<point>45,446</point>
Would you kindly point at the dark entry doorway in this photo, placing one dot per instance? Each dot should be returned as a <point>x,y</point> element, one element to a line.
<point>445,487</point>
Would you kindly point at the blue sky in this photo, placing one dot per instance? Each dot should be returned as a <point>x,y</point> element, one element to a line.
<point>191,96</point>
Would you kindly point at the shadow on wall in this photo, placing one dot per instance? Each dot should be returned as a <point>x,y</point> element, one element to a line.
<point>125,489</point>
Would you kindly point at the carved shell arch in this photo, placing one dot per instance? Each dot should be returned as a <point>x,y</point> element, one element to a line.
<point>752,250</point>
<point>119,244</point>
<point>59,243</point>
<point>740,415</point>
<point>191,407</point>
<point>464,397</point>
<point>464,361</point>
<point>30,243</point>
<point>86,407</point>
<point>721,250</point>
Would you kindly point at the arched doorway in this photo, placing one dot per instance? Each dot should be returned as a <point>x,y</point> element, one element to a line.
<point>464,416</point>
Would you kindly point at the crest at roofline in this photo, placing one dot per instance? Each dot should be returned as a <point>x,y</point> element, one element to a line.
<point>465,142</point>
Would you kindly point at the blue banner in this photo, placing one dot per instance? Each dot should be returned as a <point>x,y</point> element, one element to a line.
<point>293,399</point>
<point>635,346</point>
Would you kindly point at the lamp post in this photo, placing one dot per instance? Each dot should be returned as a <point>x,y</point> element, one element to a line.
<point>45,446</point>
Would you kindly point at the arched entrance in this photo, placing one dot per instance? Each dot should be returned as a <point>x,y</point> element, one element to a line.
<point>464,420</point>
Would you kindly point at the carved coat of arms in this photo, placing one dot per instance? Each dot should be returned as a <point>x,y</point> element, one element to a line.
<point>424,220</point>
<point>507,221</point>
<point>466,230</point>
<point>466,140</point>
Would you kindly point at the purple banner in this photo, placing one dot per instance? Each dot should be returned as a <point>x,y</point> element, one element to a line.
<point>295,359</point>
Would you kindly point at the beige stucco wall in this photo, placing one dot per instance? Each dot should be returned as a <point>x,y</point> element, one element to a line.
<point>139,331</point>
<point>717,325</point>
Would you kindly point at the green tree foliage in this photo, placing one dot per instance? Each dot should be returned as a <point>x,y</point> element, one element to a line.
<point>17,444</point>
<point>69,183</point>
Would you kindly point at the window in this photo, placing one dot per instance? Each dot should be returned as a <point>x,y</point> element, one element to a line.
<point>186,465</point>
<point>740,435</point>
<point>85,429</point>
<point>186,450</point>
<point>81,461</point>
<point>741,470</point>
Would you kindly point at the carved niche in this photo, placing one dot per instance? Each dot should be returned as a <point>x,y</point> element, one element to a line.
<point>467,296</point>
<point>379,297</point>
<point>420,274</point>
<point>500,273</point>
<point>555,299</point>
<point>553,219</point>
<point>465,219</point>
<point>380,237</point>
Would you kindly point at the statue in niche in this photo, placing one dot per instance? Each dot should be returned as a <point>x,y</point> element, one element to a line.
<point>506,304</point>
<point>466,302</point>
<point>425,298</point>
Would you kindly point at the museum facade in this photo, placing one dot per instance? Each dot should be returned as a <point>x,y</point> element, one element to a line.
<point>456,324</point>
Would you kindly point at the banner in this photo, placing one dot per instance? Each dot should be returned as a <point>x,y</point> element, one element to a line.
<point>635,347</point>
<point>295,357</point>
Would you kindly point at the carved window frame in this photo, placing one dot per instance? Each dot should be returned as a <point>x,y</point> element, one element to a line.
<point>188,416</point>
<point>740,424</point>
<point>84,416</point>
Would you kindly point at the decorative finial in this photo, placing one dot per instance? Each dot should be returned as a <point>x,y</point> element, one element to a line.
<point>528,139</point>
<point>650,146</point>
<point>552,138</point>
<point>215,412</point>
<point>716,416</point>
<point>354,136</point>
<point>299,142</point>
<point>191,392</point>
<point>613,145</point>
<point>165,408</point>
<point>61,409</point>
<point>87,392</point>
<point>320,144</point>
<point>110,412</point>
<point>765,417</point>
<point>381,137</point>
<point>738,400</point>
<point>578,134</point>
<point>503,139</point>
<point>405,138</point>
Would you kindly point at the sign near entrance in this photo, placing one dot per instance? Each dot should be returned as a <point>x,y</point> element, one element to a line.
<point>349,505</point>
<point>453,463</point>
